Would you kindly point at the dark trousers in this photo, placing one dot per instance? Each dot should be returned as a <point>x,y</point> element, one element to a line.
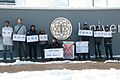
<point>42,47</point>
<point>108,50</point>
<point>97,49</point>
<point>32,48</point>
<point>21,49</point>
<point>5,51</point>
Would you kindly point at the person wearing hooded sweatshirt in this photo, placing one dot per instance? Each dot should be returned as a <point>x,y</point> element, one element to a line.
<point>108,45</point>
<point>32,45</point>
<point>7,41</point>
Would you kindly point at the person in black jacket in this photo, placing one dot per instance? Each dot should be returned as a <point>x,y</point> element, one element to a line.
<point>97,44</point>
<point>42,43</point>
<point>54,44</point>
<point>86,38</point>
<point>32,45</point>
<point>108,45</point>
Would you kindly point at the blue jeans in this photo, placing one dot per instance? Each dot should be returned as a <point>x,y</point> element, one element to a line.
<point>5,51</point>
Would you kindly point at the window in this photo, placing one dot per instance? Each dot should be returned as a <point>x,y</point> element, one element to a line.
<point>7,2</point>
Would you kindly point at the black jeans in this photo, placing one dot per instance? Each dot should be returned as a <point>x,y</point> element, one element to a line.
<point>42,47</point>
<point>34,49</point>
<point>97,49</point>
<point>108,50</point>
<point>21,49</point>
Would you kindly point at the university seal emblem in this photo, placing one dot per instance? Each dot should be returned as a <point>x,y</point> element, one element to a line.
<point>61,28</point>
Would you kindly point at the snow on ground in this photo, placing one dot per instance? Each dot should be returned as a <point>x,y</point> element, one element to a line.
<point>18,62</point>
<point>64,74</point>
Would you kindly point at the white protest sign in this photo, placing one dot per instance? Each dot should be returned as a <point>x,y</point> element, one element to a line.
<point>54,53</point>
<point>107,34</point>
<point>85,33</point>
<point>32,38</point>
<point>82,47</point>
<point>7,33</point>
<point>17,37</point>
<point>43,37</point>
<point>98,33</point>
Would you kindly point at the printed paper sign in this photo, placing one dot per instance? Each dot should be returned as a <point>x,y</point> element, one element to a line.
<point>98,33</point>
<point>32,38</point>
<point>85,33</point>
<point>43,37</point>
<point>17,37</point>
<point>107,34</point>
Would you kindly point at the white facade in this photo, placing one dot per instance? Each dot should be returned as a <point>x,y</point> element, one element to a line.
<point>65,4</point>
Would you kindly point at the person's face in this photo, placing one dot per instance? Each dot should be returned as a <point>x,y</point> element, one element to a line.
<point>19,21</point>
<point>97,28</point>
<point>33,28</point>
<point>6,24</point>
<point>106,29</point>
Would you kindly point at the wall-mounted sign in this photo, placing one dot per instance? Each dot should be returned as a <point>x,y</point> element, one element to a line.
<point>61,28</point>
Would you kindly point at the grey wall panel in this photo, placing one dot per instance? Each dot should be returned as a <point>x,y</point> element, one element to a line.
<point>45,17</point>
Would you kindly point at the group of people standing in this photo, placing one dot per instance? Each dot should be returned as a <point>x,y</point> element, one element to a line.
<point>98,42</point>
<point>24,49</point>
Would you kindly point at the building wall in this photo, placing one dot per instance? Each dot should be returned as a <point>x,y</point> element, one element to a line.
<point>44,17</point>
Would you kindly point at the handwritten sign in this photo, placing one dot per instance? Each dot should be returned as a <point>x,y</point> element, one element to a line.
<point>82,47</point>
<point>32,38</point>
<point>43,37</point>
<point>85,33</point>
<point>17,37</point>
<point>68,49</point>
<point>54,53</point>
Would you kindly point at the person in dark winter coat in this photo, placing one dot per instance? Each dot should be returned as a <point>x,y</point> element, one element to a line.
<point>97,44</point>
<point>42,44</point>
<point>108,45</point>
<point>54,44</point>
<point>32,45</point>
<point>85,38</point>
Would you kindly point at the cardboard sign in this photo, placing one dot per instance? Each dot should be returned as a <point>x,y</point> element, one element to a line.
<point>98,33</point>
<point>32,38</point>
<point>107,34</point>
<point>85,33</point>
<point>68,49</point>
<point>82,47</point>
<point>7,33</point>
<point>43,37</point>
<point>17,37</point>
<point>54,53</point>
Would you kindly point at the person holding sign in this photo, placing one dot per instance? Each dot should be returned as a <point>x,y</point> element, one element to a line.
<point>42,43</point>
<point>108,44</point>
<point>85,38</point>
<point>97,44</point>
<point>7,40</point>
<point>20,29</point>
<point>32,45</point>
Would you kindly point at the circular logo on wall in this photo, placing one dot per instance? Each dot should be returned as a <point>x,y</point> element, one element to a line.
<point>61,28</point>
